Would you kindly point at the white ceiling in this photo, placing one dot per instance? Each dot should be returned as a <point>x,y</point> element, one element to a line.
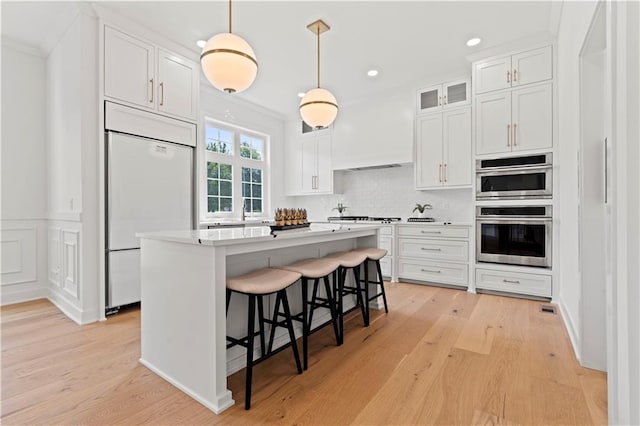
<point>410,43</point>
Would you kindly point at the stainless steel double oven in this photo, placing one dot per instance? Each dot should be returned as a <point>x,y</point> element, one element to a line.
<point>508,232</point>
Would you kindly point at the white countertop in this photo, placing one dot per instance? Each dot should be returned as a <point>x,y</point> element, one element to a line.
<point>229,236</point>
<point>402,222</point>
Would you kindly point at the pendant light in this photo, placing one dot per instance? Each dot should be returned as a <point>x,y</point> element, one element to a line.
<point>318,107</point>
<point>228,61</point>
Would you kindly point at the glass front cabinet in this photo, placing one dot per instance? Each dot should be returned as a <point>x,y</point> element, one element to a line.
<point>444,96</point>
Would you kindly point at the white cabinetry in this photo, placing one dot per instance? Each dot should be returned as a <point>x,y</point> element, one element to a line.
<point>443,96</point>
<point>443,149</point>
<point>515,120</point>
<point>143,75</point>
<point>434,253</point>
<point>314,174</point>
<point>513,282</point>
<point>510,71</point>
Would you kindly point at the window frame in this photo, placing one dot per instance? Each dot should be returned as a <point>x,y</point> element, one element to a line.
<point>237,163</point>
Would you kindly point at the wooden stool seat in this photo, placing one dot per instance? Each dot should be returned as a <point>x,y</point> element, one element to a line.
<point>313,268</point>
<point>263,281</point>
<point>372,253</point>
<point>348,259</point>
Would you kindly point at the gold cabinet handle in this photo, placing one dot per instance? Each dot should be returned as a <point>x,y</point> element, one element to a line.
<point>439,100</point>
<point>515,132</point>
<point>508,76</point>
<point>440,173</point>
<point>161,94</point>
<point>508,134</point>
<point>151,100</point>
<point>445,99</point>
<point>445,172</point>
<point>515,75</point>
<point>429,270</point>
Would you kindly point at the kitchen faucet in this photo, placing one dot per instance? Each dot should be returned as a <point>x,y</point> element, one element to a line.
<point>244,201</point>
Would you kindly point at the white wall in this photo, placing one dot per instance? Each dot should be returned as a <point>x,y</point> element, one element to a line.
<point>575,20</point>
<point>387,192</point>
<point>23,174</point>
<point>232,110</point>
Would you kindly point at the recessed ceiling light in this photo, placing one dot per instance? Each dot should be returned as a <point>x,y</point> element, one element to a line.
<point>301,94</point>
<point>473,41</point>
<point>372,73</point>
<point>201,43</point>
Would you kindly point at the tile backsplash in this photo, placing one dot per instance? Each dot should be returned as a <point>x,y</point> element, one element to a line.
<point>387,192</point>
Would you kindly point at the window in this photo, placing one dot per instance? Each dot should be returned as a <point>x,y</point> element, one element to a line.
<point>237,171</point>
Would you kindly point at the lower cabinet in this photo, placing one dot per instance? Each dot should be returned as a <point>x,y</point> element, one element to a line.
<point>523,283</point>
<point>434,254</point>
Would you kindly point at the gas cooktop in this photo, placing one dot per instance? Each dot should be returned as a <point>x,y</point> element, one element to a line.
<point>365,218</point>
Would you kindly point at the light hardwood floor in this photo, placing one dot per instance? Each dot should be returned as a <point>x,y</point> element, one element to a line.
<point>440,356</point>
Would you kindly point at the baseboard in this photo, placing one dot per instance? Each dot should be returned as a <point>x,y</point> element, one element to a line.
<point>67,308</point>
<point>23,295</point>
<point>571,329</point>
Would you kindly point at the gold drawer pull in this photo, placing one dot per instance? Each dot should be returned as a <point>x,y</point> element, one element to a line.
<point>427,270</point>
<point>511,282</point>
<point>430,249</point>
<point>431,232</point>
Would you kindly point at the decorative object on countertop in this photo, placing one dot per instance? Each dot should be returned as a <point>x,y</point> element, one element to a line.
<point>229,62</point>
<point>341,208</point>
<point>420,208</point>
<point>318,107</point>
<point>290,219</point>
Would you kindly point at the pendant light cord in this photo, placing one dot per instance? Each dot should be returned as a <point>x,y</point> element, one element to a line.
<point>229,16</point>
<point>318,30</point>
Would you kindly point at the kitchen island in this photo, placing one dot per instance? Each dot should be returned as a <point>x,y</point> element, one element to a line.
<point>183,273</point>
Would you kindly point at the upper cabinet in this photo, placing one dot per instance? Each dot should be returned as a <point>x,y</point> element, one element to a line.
<point>511,71</point>
<point>443,149</point>
<point>148,76</point>
<point>443,96</point>
<point>515,120</point>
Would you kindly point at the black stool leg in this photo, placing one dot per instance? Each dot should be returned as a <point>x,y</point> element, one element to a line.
<point>228,299</point>
<point>384,295</point>
<point>342,274</point>
<point>314,296</point>
<point>250,331</point>
<point>332,309</point>
<point>363,309</point>
<point>274,321</point>
<point>294,346</point>
<point>305,329</point>
<point>261,324</point>
<point>365,264</point>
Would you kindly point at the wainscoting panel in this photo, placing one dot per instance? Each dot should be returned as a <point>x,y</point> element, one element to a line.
<point>19,255</point>
<point>70,262</point>
<point>54,256</point>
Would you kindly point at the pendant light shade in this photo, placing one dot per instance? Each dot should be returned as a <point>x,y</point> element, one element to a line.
<point>318,107</point>
<point>228,61</point>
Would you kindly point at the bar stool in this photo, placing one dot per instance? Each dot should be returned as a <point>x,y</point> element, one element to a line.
<point>256,285</point>
<point>349,260</point>
<point>373,255</point>
<point>315,269</point>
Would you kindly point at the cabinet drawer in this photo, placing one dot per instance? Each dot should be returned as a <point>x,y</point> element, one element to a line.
<point>514,282</point>
<point>452,250</point>
<point>385,243</point>
<point>437,272</point>
<point>438,231</point>
<point>385,266</point>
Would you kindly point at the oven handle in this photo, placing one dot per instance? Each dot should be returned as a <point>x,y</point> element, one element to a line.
<point>512,219</point>
<point>515,170</point>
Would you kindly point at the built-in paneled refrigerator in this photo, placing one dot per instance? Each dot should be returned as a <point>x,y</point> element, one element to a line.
<point>149,187</point>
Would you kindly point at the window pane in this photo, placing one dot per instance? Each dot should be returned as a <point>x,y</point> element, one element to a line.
<point>256,175</point>
<point>256,191</point>
<point>257,206</point>
<point>258,149</point>
<point>246,190</point>
<point>245,149</point>
<point>246,174</point>
<point>212,187</point>
<point>226,171</point>
<point>226,204</point>
<point>225,188</point>
<point>247,205</point>
<point>213,204</point>
<point>226,136</point>
<point>212,169</point>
